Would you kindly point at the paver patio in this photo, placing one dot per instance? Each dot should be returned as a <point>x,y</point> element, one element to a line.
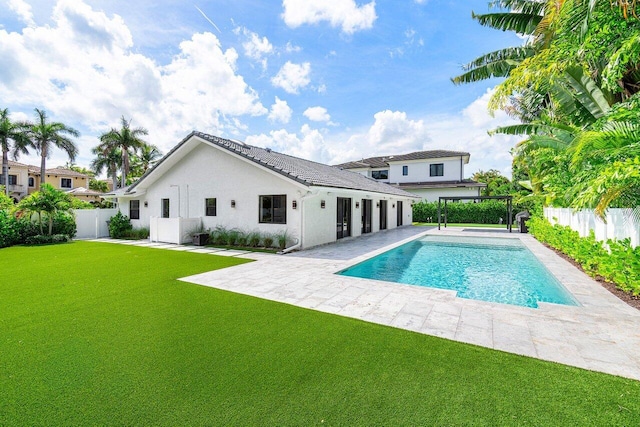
<point>603,334</point>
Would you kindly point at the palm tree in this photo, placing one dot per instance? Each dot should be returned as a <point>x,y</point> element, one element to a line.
<point>47,200</point>
<point>125,139</point>
<point>107,158</point>
<point>14,138</point>
<point>45,135</point>
<point>144,159</point>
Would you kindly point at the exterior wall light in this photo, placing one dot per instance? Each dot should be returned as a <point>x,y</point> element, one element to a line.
<point>377,204</point>
<point>294,204</point>
<point>146,204</point>
<point>323,204</point>
<point>233,203</point>
<point>357,205</point>
<point>393,206</point>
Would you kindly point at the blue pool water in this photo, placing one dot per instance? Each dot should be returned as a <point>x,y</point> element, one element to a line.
<point>488,269</point>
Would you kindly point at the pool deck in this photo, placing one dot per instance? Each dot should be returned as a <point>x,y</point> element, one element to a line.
<point>603,334</point>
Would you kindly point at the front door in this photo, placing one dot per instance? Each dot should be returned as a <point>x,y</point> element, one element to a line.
<point>366,216</point>
<point>383,214</point>
<point>399,214</point>
<point>343,219</point>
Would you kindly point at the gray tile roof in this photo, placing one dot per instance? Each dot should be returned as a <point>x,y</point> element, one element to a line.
<point>383,161</point>
<point>301,170</point>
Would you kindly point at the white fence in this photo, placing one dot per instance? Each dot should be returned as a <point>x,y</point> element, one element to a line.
<point>92,223</point>
<point>618,224</point>
<point>173,230</point>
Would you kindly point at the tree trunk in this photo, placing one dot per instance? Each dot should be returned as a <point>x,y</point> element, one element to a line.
<point>5,171</point>
<point>43,163</point>
<point>125,167</point>
<point>50,223</point>
<point>114,180</point>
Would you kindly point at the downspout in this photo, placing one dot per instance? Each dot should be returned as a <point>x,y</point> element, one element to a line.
<point>297,245</point>
<point>461,172</point>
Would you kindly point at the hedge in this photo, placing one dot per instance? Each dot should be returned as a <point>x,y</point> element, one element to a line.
<point>485,212</point>
<point>619,264</point>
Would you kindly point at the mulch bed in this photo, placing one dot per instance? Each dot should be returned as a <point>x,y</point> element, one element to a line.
<point>633,301</point>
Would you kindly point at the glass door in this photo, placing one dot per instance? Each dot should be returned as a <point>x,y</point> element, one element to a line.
<point>366,216</point>
<point>383,214</point>
<point>343,219</point>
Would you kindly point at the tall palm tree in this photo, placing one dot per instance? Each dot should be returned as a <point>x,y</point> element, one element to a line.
<point>14,138</point>
<point>46,135</point>
<point>107,158</point>
<point>127,140</point>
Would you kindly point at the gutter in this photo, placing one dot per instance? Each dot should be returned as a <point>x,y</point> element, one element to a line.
<point>298,243</point>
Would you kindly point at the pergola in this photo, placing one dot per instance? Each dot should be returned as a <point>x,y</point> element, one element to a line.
<point>457,199</point>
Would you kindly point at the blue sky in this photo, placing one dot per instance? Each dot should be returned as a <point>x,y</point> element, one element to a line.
<point>326,80</point>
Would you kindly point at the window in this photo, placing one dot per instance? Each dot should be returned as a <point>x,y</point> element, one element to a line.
<point>210,207</point>
<point>13,180</point>
<point>436,169</point>
<point>273,209</point>
<point>165,208</point>
<point>134,209</point>
<point>380,174</point>
<point>405,170</point>
<point>65,182</point>
<point>32,182</point>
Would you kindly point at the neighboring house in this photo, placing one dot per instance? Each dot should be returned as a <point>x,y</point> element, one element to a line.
<point>25,179</point>
<point>86,194</point>
<point>212,181</point>
<point>429,174</point>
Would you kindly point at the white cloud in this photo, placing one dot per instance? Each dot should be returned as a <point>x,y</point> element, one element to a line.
<point>291,48</point>
<point>317,114</point>
<point>84,70</point>
<point>280,111</point>
<point>309,145</point>
<point>292,77</point>
<point>339,13</point>
<point>255,47</point>
<point>23,10</point>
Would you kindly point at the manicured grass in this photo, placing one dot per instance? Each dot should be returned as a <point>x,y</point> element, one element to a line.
<point>95,334</point>
<point>456,224</point>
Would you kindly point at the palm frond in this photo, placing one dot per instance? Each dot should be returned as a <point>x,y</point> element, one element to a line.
<point>521,23</point>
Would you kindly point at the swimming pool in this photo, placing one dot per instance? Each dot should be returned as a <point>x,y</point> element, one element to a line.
<point>500,270</point>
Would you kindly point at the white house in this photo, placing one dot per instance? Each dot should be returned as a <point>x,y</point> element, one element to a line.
<point>211,181</point>
<point>429,174</point>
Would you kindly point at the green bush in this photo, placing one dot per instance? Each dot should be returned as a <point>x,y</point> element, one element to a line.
<point>267,240</point>
<point>619,264</point>
<point>64,223</point>
<point>9,233</point>
<point>136,234</point>
<point>40,239</point>
<point>253,239</point>
<point>485,212</point>
<point>26,228</point>
<point>119,225</point>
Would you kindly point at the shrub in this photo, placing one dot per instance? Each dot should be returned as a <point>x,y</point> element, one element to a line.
<point>219,236</point>
<point>26,228</point>
<point>268,240</point>
<point>64,223</point>
<point>9,233</point>
<point>119,225</point>
<point>40,239</point>
<point>281,239</point>
<point>136,234</point>
<point>619,264</point>
<point>485,212</point>
<point>253,239</point>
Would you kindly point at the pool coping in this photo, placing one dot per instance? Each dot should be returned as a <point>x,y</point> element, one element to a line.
<point>602,334</point>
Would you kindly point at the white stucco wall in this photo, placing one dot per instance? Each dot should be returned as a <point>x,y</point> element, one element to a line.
<point>419,170</point>
<point>432,194</point>
<point>208,172</point>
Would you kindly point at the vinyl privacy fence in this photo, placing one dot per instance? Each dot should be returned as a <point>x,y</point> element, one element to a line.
<point>92,223</point>
<point>618,224</point>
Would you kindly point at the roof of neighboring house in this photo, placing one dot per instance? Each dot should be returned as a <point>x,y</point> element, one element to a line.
<point>303,171</point>
<point>439,184</point>
<point>81,191</point>
<point>383,161</point>
<point>35,170</point>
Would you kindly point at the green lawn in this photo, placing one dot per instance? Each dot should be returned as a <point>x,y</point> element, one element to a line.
<point>95,334</point>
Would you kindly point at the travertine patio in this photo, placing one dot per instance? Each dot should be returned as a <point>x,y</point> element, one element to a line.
<point>603,334</point>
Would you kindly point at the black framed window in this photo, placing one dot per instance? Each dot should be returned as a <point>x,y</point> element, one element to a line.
<point>134,209</point>
<point>273,209</point>
<point>32,182</point>
<point>210,207</point>
<point>436,169</point>
<point>405,170</point>
<point>165,208</point>
<point>380,174</point>
<point>65,182</point>
<point>13,180</point>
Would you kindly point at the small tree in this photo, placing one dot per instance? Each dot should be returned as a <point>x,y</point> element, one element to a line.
<point>48,201</point>
<point>6,202</point>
